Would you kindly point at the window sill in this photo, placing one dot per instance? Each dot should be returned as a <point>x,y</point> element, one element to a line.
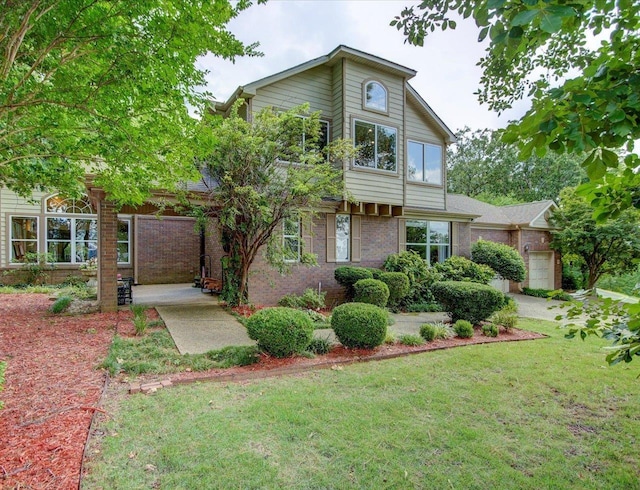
<point>424,184</point>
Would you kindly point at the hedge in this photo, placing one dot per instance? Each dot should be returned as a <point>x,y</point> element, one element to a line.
<point>458,268</point>
<point>359,325</point>
<point>347,276</point>
<point>503,259</point>
<point>371,291</point>
<point>468,300</point>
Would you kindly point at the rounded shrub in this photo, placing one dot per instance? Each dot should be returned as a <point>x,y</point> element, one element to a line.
<point>490,330</point>
<point>420,275</point>
<point>375,273</point>
<point>371,291</point>
<point>347,276</point>
<point>280,331</point>
<point>359,325</point>
<point>458,268</point>
<point>398,284</point>
<point>468,300</point>
<point>503,259</point>
<point>428,332</point>
<point>463,329</point>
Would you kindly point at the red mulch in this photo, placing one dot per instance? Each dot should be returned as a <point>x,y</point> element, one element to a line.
<point>53,386</point>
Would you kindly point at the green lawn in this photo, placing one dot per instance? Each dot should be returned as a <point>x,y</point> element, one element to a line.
<point>535,414</point>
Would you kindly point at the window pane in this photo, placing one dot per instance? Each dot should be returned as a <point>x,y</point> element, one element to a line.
<point>86,251</point>
<point>414,157</point>
<point>86,229</point>
<point>61,251</point>
<point>438,253</point>
<point>365,142</point>
<point>342,237</point>
<point>58,229</point>
<point>291,227</point>
<point>416,232</point>
<point>433,159</point>
<point>420,249</point>
<point>19,249</point>
<point>24,228</point>
<point>291,249</point>
<point>386,148</point>
<point>439,232</point>
<point>375,96</point>
<point>123,230</point>
<point>324,135</point>
<point>59,204</point>
<point>123,252</point>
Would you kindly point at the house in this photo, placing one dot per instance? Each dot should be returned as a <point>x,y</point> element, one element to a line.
<point>398,182</point>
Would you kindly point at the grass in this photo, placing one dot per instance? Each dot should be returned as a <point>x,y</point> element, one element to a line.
<point>78,291</point>
<point>521,415</point>
<point>156,353</point>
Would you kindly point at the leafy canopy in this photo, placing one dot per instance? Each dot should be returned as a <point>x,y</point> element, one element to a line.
<point>102,87</point>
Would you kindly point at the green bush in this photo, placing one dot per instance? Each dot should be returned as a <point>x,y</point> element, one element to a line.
<point>280,331</point>
<point>359,325</point>
<point>468,300</point>
<point>310,299</point>
<point>371,291</point>
<point>503,259</point>
<point>398,284</point>
<point>458,268</point>
<point>628,283</point>
<point>572,278</point>
<point>347,276</point>
<point>506,318</point>
<point>140,321</point>
<point>411,340</point>
<point>490,330</point>
<point>433,331</point>
<point>375,272</point>
<point>76,281</point>
<point>61,304</point>
<point>420,275</point>
<point>463,329</point>
<point>320,346</point>
<point>547,293</point>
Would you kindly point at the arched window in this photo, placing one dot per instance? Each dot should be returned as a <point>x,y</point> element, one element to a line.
<point>72,229</point>
<point>375,96</point>
<point>66,205</point>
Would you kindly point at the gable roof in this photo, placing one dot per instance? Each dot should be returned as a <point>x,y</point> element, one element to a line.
<point>512,215</point>
<point>339,53</point>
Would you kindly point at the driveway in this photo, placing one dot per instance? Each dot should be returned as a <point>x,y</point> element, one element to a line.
<point>541,308</point>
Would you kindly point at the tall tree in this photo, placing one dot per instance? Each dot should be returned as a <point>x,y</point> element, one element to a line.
<point>610,247</point>
<point>263,173</point>
<point>102,87</point>
<point>481,164</point>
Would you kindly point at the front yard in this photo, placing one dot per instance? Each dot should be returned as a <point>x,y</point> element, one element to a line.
<point>540,414</point>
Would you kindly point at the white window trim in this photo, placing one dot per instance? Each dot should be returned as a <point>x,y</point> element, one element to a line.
<point>348,259</point>
<point>129,220</point>
<point>422,181</point>
<point>322,121</point>
<point>298,237</point>
<point>428,243</point>
<point>375,169</point>
<point>72,240</point>
<point>10,260</point>
<point>365,84</point>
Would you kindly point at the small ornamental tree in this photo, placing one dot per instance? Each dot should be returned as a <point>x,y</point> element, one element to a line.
<point>503,259</point>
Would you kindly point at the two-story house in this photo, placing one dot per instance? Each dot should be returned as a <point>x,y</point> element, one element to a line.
<point>398,180</point>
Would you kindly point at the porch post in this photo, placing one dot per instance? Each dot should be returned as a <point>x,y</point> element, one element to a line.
<point>107,248</point>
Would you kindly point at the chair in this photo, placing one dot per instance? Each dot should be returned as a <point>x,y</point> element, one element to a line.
<point>124,291</point>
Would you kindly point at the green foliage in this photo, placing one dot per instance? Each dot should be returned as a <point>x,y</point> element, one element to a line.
<point>608,247</point>
<point>375,272</point>
<point>61,304</point>
<point>390,338</point>
<point>420,275</point>
<point>359,325</point>
<point>411,340</point>
<point>75,281</point>
<point>484,167</point>
<point>572,277</point>
<point>398,284</point>
<point>140,321</point>
<point>371,291</point>
<point>506,318</point>
<point>264,176</point>
<point>34,268</point>
<point>490,330</point>
<point>468,300</point>
<point>280,331</point>
<point>503,259</point>
<point>463,329</point>
<point>457,268</point>
<point>320,346</point>
<point>347,276</point>
<point>103,88</point>
<point>310,299</point>
<point>3,369</point>
<point>547,293</point>
<point>234,355</point>
<point>433,331</point>
<point>628,284</point>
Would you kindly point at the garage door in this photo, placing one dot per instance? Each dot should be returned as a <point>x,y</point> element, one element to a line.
<point>541,270</point>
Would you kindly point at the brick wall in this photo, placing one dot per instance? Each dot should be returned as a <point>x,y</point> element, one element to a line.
<point>498,236</point>
<point>538,241</point>
<point>379,239</point>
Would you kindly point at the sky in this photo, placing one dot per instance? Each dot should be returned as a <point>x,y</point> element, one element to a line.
<point>291,32</point>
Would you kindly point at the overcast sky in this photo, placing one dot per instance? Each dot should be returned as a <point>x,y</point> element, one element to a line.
<point>291,32</point>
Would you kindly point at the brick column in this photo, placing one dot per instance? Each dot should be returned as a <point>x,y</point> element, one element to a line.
<point>464,239</point>
<point>108,249</point>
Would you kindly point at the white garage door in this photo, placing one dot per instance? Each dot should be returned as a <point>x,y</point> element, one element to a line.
<point>541,270</point>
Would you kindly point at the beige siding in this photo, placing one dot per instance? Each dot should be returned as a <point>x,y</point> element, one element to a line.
<point>540,222</point>
<point>313,86</point>
<point>370,185</point>
<point>13,205</point>
<point>337,93</point>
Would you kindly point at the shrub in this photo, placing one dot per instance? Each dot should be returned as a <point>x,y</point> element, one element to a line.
<point>398,284</point>
<point>468,300</point>
<point>547,293</point>
<point>432,331</point>
<point>280,331</point>
<point>503,259</point>
<point>75,281</point>
<point>359,325</point>
<point>490,330</point>
<point>140,322</point>
<point>506,318</point>
<point>389,338</point>
<point>463,329</point>
<point>458,268</point>
<point>572,278</point>
<point>371,291</point>
<point>320,345</point>
<point>420,275</point>
<point>347,276</point>
<point>375,273</point>
<point>411,340</point>
<point>61,304</point>
<point>310,299</point>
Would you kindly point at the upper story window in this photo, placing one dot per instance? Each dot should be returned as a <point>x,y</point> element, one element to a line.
<point>424,162</point>
<point>376,146</point>
<point>375,96</point>
<point>301,141</point>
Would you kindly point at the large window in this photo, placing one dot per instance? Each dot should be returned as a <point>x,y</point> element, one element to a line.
<point>24,237</point>
<point>376,146</point>
<point>291,240</point>
<point>301,137</point>
<point>424,162</point>
<point>430,239</point>
<point>343,237</point>
<point>375,96</point>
